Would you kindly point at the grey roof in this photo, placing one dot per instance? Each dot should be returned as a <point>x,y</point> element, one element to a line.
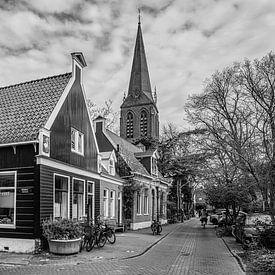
<point>127,151</point>
<point>26,107</point>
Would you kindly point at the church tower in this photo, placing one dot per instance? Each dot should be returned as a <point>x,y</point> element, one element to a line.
<point>139,114</point>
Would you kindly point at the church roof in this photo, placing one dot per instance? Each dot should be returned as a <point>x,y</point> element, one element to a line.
<point>26,107</point>
<point>140,80</point>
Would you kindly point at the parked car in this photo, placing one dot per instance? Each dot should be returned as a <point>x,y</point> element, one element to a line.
<point>223,220</point>
<point>248,227</point>
<point>215,216</point>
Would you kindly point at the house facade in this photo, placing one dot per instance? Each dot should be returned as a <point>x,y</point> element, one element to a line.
<point>49,158</point>
<point>142,181</point>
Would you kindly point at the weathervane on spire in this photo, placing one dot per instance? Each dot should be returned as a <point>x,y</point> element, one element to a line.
<point>139,16</point>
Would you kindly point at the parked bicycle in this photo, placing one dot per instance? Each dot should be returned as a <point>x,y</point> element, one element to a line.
<point>110,233</point>
<point>98,238</point>
<point>156,227</point>
<point>88,231</point>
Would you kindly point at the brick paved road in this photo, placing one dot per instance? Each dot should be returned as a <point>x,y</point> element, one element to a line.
<point>188,250</point>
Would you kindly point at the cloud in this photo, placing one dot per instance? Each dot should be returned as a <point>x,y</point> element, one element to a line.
<point>185,42</point>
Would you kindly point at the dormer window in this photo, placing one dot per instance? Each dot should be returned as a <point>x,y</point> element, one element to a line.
<point>77,141</point>
<point>154,167</point>
<point>112,167</point>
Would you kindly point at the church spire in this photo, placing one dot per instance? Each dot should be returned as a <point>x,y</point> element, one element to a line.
<point>140,80</point>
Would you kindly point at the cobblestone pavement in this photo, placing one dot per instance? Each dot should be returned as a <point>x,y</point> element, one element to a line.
<point>189,249</point>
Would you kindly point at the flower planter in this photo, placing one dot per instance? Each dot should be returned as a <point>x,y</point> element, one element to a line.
<point>64,247</point>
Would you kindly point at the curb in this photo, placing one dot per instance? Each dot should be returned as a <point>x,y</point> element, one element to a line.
<point>235,255</point>
<point>151,246</point>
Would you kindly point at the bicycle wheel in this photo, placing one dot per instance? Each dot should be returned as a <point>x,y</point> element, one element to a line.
<point>83,243</point>
<point>90,244</point>
<point>154,229</point>
<point>101,240</point>
<point>111,236</point>
<point>159,228</point>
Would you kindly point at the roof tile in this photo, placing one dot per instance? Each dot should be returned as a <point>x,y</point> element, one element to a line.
<point>26,107</point>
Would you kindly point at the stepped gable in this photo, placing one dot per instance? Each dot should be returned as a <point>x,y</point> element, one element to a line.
<point>26,107</point>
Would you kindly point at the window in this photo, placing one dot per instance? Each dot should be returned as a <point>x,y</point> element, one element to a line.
<point>77,141</point>
<point>145,202</point>
<point>8,198</point>
<point>78,199</point>
<point>130,125</point>
<point>112,204</point>
<point>111,167</point>
<point>143,123</point>
<point>90,191</point>
<point>154,166</point>
<point>61,196</point>
<point>138,203</point>
<point>105,203</point>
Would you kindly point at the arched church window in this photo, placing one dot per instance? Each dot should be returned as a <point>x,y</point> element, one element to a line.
<point>130,125</point>
<point>143,123</point>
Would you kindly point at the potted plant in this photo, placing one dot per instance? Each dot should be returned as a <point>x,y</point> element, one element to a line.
<point>63,235</point>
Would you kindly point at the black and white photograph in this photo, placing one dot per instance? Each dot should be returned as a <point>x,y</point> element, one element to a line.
<point>137,137</point>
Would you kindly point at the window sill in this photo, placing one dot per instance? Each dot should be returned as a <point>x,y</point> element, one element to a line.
<point>11,226</point>
<point>139,214</point>
<point>78,153</point>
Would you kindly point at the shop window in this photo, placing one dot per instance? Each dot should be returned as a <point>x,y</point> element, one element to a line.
<point>78,199</point>
<point>7,199</point>
<point>105,203</point>
<point>61,196</point>
<point>112,204</point>
<point>77,141</point>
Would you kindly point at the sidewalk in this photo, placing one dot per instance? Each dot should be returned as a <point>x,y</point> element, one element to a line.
<point>128,245</point>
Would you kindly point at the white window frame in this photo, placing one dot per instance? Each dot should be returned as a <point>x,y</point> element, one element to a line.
<point>112,203</point>
<point>112,167</point>
<point>43,134</point>
<point>139,202</point>
<point>83,205</point>
<point>60,175</point>
<point>14,203</point>
<point>76,136</point>
<point>154,166</point>
<point>93,195</point>
<point>106,203</point>
<point>145,203</point>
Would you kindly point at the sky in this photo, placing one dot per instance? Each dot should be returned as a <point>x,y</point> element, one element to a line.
<point>186,41</point>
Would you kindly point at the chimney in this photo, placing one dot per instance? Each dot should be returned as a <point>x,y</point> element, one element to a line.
<point>100,124</point>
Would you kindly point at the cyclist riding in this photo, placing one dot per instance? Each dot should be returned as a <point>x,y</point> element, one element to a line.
<point>203,217</point>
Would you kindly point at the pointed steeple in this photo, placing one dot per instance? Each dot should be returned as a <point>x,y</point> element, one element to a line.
<point>140,80</point>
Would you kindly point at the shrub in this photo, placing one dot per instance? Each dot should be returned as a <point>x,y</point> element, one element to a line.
<point>61,229</point>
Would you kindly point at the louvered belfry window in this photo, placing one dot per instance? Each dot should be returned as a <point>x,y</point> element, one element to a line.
<point>130,125</point>
<point>143,123</point>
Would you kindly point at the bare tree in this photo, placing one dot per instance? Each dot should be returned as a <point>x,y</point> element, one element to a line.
<point>107,112</point>
<point>239,121</point>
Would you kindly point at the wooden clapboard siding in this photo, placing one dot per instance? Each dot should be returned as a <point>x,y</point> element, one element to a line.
<point>25,210</point>
<point>74,114</point>
<point>46,190</point>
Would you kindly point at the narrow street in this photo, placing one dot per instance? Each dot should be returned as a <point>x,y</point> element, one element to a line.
<point>189,249</point>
